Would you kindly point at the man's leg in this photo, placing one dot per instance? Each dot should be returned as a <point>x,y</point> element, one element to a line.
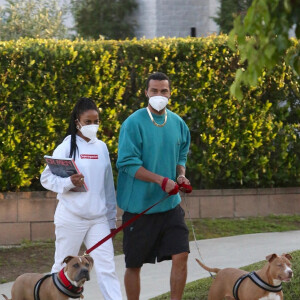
<point>132,283</point>
<point>178,275</point>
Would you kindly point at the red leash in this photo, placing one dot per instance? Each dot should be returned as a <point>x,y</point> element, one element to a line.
<point>185,188</point>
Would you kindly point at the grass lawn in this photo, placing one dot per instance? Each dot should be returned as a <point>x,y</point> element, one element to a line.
<point>214,228</point>
<point>38,256</point>
<point>198,290</point>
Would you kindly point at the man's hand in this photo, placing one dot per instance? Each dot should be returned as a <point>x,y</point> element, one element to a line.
<point>77,179</point>
<point>170,186</point>
<point>182,179</point>
<point>184,184</point>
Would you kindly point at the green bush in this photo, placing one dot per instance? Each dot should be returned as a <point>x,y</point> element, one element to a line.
<point>249,143</point>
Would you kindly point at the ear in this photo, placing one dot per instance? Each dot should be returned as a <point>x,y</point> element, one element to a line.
<point>90,260</point>
<point>77,124</point>
<point>146,93</point>
<point>67,259</point>
<point>271,257</point>
<point>288,256</point>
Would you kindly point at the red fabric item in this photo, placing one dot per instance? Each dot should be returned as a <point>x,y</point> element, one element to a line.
<point>64,280</point>
<point>185,188</point>
<point>175,190</point>
<point>164,183</point>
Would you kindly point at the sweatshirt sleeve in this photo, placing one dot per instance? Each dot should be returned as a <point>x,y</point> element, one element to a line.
<point>110,195</point>
<point>130,149</point>
<point>53,182</point>
<point>185,145</point>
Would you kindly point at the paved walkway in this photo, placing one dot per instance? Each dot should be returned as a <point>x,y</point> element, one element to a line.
<point>234,251</point>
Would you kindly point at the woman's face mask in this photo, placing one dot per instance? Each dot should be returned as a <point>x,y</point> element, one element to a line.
<point>158,102</point>
<point>89,131</point>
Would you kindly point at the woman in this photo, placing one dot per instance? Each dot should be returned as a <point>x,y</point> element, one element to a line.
<point>85,217</point>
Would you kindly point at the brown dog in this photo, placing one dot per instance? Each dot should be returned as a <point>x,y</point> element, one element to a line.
<point>61,286</point>
<point>264,284</point>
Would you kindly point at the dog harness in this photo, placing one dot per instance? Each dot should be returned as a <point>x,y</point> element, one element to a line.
<point>36,290</point>
<point>258,281</point>
<point>62,284</point>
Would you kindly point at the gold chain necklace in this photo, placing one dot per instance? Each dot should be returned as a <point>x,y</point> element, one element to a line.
<point>158,125</point>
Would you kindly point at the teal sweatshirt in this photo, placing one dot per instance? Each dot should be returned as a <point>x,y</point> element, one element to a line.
<point>157,149</point>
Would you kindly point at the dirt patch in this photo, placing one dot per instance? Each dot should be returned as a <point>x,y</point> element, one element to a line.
<point>18,260</point>
<point>32,258</point>
<point>35,257</point>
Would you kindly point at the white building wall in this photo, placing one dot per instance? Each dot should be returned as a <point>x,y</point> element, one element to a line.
<point>213,9</point>
<point>175,18</point>
<point>145,18</point>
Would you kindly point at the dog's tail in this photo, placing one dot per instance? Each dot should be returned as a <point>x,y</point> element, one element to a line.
<point>5,297</point>
<point>214,270</point>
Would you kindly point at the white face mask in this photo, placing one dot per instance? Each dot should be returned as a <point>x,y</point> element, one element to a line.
<point>89,131</point>
<point>158,102</point>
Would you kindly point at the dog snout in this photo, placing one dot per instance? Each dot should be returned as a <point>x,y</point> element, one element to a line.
<point>290,273</point>
<point>84,273</point>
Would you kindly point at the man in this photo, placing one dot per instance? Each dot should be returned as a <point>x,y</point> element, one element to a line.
<point>153,148</point>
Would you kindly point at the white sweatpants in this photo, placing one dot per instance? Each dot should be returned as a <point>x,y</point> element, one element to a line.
<point>71,231</point>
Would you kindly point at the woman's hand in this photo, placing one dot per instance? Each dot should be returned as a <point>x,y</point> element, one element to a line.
<point>112,230</point>
<point>77,179</point>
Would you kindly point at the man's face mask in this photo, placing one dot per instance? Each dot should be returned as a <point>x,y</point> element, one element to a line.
<point>158,102</point>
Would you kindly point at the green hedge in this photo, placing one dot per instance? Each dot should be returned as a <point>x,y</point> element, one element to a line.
<point>252,143</point>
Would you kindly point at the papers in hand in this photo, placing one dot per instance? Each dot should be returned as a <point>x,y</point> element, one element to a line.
<point>64,167</point>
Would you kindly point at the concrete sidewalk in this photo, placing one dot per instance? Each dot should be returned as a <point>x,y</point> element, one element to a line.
<point>234,251</point>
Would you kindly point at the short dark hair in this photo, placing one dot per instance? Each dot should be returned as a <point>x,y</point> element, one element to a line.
<point>158,76</point>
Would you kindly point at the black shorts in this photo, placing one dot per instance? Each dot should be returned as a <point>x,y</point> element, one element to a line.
<point>155,237</point>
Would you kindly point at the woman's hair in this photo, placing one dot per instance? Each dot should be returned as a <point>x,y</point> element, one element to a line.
<point>82,105</point>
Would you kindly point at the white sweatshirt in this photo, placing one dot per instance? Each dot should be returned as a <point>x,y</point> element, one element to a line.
<point>92,160</point>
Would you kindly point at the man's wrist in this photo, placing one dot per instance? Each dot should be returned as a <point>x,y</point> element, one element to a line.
<point>159,180</point>
<point>180,176</point>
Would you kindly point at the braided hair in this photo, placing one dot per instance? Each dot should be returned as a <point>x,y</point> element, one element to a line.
<point>82,105</point>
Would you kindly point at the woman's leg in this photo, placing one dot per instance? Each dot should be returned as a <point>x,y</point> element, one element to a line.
<point>70,231</point>
<point>104,263</point>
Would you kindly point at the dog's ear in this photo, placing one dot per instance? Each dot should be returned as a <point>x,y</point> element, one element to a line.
<point>271,257</point>
<point>67,259</point>
<point>288,256</point>
<point>90,260</point>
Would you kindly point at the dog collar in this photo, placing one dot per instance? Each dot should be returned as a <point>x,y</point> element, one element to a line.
<point>258,281</point>
<point>65,286</point>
